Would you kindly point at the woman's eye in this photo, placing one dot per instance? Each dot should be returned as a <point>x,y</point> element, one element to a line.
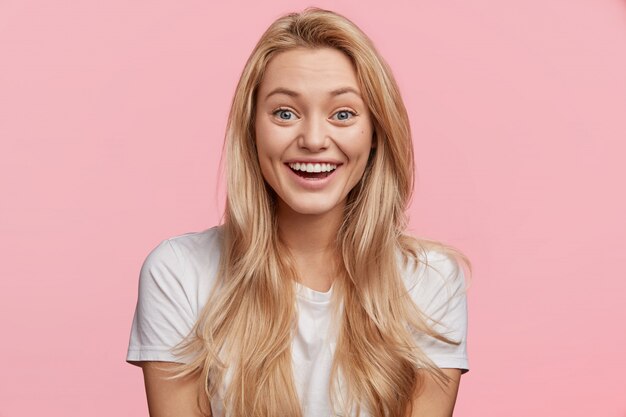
<point>343,115</point>
<point>284,114</point>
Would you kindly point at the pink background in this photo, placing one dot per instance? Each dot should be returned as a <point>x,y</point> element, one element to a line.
<point>112,116</point>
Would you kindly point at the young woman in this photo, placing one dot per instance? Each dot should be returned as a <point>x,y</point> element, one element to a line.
<point>309,300</point>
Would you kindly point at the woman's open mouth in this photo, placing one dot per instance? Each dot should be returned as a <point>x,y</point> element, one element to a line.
<point>312,171</point>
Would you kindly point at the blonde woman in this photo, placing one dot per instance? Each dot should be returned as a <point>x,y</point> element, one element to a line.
<point>309,300</point>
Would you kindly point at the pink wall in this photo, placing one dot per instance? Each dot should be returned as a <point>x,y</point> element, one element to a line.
<point>111,119</point>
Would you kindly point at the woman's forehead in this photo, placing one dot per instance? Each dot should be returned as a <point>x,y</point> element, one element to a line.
<point>309,71</point>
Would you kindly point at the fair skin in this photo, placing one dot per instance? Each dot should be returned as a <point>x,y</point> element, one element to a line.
<point>309,109</point>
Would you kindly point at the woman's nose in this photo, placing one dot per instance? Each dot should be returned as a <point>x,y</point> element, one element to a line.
<point>315,135</point>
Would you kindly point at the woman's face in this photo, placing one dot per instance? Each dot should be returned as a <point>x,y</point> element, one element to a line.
<point>313,130</point>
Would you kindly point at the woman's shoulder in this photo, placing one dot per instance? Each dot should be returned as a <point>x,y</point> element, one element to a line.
<point>432,270</point>
<point>175,279</point>
<point>435,280</point>
<point>416,252</point>
<point>197,246</point>
<point>188,261</point>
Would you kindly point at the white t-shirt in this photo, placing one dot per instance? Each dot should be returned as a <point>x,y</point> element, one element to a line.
<point>177,276</point>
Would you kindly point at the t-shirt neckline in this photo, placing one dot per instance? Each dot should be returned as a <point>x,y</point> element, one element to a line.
<point>313,295</point>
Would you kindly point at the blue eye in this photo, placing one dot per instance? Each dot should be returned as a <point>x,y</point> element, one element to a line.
<point>344,115</point>
<point>284,114</point>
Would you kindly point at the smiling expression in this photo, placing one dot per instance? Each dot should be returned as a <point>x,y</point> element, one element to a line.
<point>313,129</point>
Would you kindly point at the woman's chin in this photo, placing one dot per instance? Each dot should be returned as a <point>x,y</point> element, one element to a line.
<point>313,208</point>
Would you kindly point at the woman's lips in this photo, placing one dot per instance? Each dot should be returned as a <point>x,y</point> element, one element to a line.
<point>315,181</point>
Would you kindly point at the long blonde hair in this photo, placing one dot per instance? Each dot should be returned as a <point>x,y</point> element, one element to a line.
<point>247,325</point>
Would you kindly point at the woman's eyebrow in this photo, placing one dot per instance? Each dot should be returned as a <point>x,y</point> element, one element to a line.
<point>345,90</point>
<point>295,94</point>
<point>281,90</point>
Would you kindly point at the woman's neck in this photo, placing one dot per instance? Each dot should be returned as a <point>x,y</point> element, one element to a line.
<point>311,240</point>
<point>309,233</point>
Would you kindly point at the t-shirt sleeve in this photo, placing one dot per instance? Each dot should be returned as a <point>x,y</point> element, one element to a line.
<point>163,315</point>
<point>440,293</point>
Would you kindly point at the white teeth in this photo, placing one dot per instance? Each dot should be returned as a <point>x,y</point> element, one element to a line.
<point>310,167</point>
